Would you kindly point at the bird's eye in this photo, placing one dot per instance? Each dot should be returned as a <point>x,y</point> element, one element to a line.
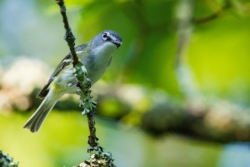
<point>105,36</point>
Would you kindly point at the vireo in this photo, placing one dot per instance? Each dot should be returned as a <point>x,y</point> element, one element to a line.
<point>96,56</point>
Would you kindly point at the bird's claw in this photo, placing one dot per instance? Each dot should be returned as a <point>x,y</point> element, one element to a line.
<point>88,83</point>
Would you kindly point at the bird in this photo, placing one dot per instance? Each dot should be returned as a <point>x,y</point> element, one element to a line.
<point>95,55</point>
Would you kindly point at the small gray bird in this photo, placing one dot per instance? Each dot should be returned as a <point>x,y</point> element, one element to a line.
<point>96,56</point>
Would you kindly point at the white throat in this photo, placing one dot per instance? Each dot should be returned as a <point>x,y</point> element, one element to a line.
<point>105,51</point>
<point>101,58</point>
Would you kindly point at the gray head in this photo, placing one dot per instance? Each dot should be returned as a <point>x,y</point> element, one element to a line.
<point>107,36</point>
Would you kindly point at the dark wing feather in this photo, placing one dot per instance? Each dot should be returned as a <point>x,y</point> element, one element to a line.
<point>65,62</point>
<point>45,90</point>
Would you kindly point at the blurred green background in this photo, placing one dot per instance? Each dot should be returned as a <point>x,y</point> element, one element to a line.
<point>173,51</point>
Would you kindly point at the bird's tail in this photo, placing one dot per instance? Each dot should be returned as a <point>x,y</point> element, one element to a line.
<point>35,121</point>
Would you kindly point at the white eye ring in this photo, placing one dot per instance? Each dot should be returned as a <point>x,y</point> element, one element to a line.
<point>105,36</point>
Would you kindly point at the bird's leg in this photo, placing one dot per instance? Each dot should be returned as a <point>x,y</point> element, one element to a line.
<point>88,84</point>
<point>70,84</point>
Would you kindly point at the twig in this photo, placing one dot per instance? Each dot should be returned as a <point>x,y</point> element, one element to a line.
<point>92,138</point>
<point>98,158</point>
<point>213,16</point>
<point>83,86</point>
<point>69,37</point>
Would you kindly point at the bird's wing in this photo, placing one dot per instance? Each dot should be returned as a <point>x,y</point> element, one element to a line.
<point>65,62</point>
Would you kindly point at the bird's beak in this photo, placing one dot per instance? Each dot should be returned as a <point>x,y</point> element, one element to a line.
<point>117,43</point>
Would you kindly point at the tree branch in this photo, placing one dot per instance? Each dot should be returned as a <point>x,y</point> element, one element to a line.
<point>7,161</point>
<point>69,37</point>
<point>220,122</point>
<point>213,16</point>
<point>97,156</point>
